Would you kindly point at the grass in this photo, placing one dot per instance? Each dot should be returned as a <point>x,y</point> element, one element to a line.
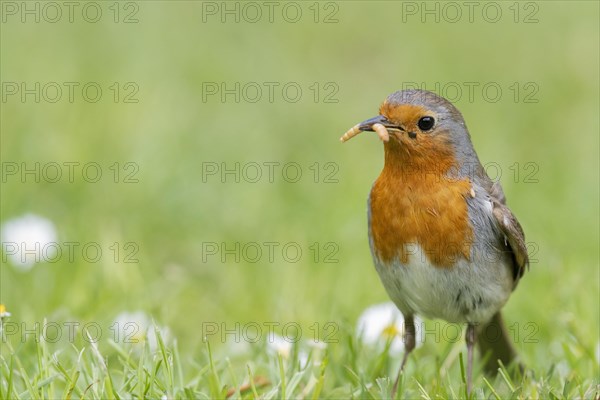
<point>347,369</point>
<point>546,153</point>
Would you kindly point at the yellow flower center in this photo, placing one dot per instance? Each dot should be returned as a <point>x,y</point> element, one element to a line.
<point>390,331</point>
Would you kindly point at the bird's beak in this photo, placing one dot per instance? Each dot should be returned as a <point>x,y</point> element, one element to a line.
<point>378,124</point>
<point>368,124</point>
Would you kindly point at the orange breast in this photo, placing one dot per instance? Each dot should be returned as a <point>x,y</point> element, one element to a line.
<point>415,203</point>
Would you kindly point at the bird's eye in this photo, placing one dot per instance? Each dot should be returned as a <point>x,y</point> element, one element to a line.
<point>426,123</point>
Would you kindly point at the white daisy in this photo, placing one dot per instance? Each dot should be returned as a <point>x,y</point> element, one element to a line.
<point>382,322</point>
<point>137,328</point>
<point>278,345</point>
<point>27,240</point>
<point>317,348</point>
<point>3,312</point>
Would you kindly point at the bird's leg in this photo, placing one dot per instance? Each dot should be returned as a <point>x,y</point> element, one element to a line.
<point>409,345</point>
<point>470,339</point>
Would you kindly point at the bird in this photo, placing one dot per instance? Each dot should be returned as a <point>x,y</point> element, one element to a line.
<point>443,241</point>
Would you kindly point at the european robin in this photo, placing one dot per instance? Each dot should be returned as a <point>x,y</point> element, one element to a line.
<point>443,241</point>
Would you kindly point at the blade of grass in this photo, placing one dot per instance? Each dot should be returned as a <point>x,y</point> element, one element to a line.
<point>213,378</point>
<point>506,377</point>
<point>282,375</point>
<point>71,387</point>
<point>320,383</point>
<point>489,385</point>
<point>163,352</point>
<point>463,375</point>
<point>251,377</point>
<point>233,379</point>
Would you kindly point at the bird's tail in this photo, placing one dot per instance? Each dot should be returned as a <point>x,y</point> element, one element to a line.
<point>495,344</point>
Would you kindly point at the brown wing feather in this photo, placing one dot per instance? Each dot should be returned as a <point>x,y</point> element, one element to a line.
<point>513,237</point>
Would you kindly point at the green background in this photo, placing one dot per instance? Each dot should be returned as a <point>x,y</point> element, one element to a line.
<point>370,50</point>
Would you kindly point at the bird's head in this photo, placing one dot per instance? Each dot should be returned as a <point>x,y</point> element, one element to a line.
<point>419,127</point>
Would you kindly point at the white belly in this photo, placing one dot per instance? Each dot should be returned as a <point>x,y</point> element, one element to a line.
<point>468,292</point>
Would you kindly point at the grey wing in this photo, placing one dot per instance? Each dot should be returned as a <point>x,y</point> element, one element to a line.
<point>514,237</point>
